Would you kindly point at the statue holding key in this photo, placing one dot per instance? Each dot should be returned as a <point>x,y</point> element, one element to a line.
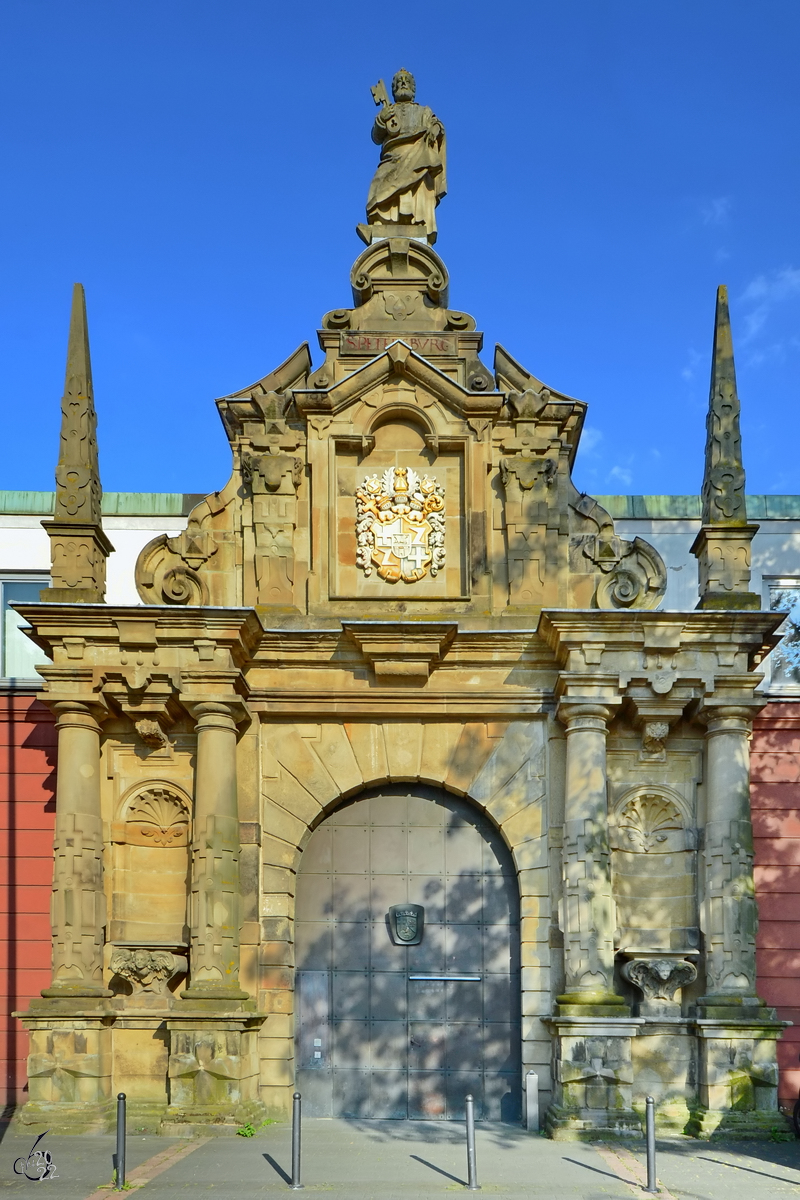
<point>411,176</point>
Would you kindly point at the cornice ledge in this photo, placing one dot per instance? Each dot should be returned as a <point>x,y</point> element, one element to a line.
<point>159,623</point>
<point>402,651</point>
<point>566,629</point>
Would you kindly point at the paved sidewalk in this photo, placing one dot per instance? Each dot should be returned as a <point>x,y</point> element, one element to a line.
<point>397,1160</point>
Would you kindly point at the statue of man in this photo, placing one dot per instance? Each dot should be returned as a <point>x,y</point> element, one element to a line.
<point>411,177</point>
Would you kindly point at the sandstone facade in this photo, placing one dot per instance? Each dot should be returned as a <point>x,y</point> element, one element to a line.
<point>398,598</point>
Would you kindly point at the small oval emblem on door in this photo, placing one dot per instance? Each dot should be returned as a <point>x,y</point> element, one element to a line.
<point>405,924</point>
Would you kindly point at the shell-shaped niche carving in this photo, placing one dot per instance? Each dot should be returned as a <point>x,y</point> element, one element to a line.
<point>157,816</point>
<point>648,823</point>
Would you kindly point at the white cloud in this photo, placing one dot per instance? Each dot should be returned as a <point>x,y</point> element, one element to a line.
<point>590,439</point>
<point>715,212</point>
<point>770,288</point>
<point>620,475</point>
<point>689,371</point>
<point>763,293</point>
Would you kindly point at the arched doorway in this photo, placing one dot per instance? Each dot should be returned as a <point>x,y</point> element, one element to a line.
<point>389,1029</point>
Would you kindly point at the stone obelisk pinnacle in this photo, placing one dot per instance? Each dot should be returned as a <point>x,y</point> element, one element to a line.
<point>78,546</point>
<point>722,547</point>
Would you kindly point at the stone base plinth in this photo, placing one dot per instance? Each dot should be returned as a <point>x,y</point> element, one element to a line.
<point>591,1124</point>
<point>211,1120</point>
<point>592,1078</point>
<point>665,1067</point>
<point>374,233</point>
<point>760,1124</point>
<point>65,1118</point>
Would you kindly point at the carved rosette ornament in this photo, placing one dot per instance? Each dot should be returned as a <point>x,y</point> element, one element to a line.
<point>400,525</point>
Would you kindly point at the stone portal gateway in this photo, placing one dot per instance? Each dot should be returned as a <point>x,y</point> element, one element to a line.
<point>386,1030</point>
<point>400,587</point>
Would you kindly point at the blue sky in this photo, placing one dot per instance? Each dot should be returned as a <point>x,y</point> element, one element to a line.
<point>200,166</point>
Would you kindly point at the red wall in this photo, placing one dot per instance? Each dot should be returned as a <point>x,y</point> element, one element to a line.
<point>775,794</point>
<point>27,817</point>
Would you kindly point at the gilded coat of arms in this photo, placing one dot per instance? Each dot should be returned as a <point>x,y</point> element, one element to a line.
<point>400,525</point>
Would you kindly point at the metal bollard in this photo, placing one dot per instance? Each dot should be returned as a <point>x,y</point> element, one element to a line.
<point>531,1100</point>
<point>296,1141</point>
<point>472,1173</point>
<point>650,1135</point>
<point>120,1184</point>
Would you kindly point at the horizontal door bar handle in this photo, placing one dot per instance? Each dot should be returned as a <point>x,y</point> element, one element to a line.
<point>448,978</point>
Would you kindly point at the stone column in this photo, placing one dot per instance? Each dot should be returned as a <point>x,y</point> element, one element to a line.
<point>78,905</point>
<point>587,908</point>
<point>738,1076</point>
<point>592,1059</point>
<point>728,911</point>
<point>214,971</point>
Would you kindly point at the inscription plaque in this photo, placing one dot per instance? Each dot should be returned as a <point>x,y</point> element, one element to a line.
<point>375,343</point>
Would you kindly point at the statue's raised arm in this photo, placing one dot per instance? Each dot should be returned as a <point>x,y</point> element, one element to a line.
<point>411,176</point>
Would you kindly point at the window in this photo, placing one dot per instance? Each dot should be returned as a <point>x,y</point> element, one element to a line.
<point>19,654</point>
<point>784,661</point>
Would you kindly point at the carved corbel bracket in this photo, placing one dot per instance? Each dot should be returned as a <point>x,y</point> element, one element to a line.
<point>402,653</point>
<point>148,971</point>
<point>527,405</point>
<point>267,473</point>
<point>658,979</point>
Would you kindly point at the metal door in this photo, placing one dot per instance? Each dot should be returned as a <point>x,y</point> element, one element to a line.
<point>405,1031</point>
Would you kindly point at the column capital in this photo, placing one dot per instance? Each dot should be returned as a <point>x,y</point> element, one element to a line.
<point>216,714</point>
<point>86,713</point>
<point>727,718</point>
<point>585,714</point>
<point>207,692</point>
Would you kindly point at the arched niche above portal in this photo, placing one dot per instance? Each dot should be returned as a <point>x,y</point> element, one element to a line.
<point>400,432</point>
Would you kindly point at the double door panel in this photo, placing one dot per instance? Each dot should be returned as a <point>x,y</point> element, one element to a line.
<point>396,1031</point>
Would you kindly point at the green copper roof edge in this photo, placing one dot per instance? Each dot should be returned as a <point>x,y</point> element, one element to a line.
<point>688,508</point>
<point>176,504</point>
<point>115,504</point>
